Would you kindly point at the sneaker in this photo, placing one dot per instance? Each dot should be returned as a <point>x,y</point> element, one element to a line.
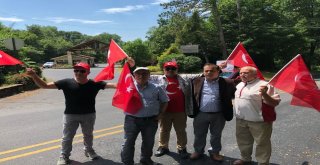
<point>63,160</point>
<point>183,153</point>
<point>91,154</point>
<point>161,151</point>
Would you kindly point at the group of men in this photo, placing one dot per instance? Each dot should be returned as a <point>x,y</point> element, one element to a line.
<point>168,99</point>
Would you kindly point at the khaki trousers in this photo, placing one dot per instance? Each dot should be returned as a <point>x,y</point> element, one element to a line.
<point>179,122</point>
<point>247,133</point>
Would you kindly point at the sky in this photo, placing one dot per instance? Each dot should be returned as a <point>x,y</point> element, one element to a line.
<point>130,19</point>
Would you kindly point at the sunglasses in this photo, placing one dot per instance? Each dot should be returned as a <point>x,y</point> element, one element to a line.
<point>81,71</point>
<point>170,68</point>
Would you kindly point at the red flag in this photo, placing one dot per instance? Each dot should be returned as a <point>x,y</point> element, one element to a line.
<point>296,79</point>
<point>126,96</point>
<point>6,59</point>
<point>115,54</point>
<point>240,57</point>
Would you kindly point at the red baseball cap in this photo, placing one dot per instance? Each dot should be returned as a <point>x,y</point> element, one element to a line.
<point>170,63</point>
<point>82,65</point>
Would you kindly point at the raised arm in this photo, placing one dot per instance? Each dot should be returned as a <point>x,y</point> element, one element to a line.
<point>39,81</point>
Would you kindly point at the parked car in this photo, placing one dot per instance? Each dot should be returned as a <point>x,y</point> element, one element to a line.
<point>48,65</point>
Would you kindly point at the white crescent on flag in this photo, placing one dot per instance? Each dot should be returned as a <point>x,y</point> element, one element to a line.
<point>244,58</point>
<point>171,93</point>
<point>129,88</point>
<point>127,76</point>
<point>301,74</point>
<point>298,77</point>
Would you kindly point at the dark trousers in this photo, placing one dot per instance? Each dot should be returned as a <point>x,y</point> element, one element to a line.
<point>132,127</point>
<point>215,122</point>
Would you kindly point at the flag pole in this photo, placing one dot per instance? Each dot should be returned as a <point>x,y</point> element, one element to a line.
<point>232,51</point>
<point>284,67</point>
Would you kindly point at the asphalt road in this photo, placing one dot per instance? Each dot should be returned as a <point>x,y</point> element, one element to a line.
<point>31,128</point>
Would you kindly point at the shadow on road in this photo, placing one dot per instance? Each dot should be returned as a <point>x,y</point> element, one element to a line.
<point>205,160</point>
<point>100,161</point>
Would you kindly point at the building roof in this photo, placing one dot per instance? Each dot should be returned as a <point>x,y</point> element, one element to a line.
<point>73,57</point>
<point>90,45</point>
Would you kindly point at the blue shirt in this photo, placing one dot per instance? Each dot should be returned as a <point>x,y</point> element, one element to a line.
<point>210,97</point>
<point>152,96</point>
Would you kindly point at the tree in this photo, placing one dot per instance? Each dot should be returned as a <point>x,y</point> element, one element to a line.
<point>139,51</point>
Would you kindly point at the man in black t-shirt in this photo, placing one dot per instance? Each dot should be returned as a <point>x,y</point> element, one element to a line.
<point>80,93</point>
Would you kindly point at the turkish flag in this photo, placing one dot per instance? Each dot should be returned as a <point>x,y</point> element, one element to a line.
<point>126,96</point>
<point>240,57</point>
<point>296,79</point>
<point>115,54</point>
<point>6,59</point>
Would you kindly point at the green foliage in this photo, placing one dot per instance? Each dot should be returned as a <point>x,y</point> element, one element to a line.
<point>192,64</point>
<point>20,79</point>
<point>173,49</point>
<point>185,63</point>
<point>106,37</point>
<point>179,58</point>
<point>139,51</point>
<point>154,68</point>
<point>2,78</point>
<point>272,31</point>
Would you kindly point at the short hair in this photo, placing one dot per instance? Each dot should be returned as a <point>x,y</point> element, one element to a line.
<point>211,64</point>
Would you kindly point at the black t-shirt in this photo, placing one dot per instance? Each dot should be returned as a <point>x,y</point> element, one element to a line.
<point>79,98</point>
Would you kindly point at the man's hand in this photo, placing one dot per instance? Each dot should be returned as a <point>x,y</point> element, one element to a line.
<point>30,72</point>
<point>222,65</point>
<point>131,61</point>
<point>263,89</point>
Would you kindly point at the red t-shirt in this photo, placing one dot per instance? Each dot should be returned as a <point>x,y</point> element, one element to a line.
<point>176,103</point>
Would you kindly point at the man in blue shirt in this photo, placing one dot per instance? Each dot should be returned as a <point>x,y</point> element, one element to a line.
<point>212,97</point>
<point>155,102</point>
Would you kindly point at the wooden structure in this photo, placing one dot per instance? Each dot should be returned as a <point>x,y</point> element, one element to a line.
<point>76,53</point>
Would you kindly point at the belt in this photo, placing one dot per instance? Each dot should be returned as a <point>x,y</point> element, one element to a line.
<point>212,112</point>
<point>143,118</point>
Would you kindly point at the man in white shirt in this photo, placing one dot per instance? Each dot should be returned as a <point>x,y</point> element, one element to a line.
<point>251,126</point>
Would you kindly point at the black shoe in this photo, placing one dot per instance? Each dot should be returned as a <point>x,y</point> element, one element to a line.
<point>183,154</point>
<point>161,151</point>
<point>147,162</point>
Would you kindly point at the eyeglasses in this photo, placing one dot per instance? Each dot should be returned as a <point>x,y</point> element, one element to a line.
<point>170,68</point>
<point>81,71</point>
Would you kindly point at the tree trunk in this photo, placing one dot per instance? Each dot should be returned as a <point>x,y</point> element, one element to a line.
<point>221,35</point>
<point>239,14</point>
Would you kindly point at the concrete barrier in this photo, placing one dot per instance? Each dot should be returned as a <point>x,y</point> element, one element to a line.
<point>14,89</point>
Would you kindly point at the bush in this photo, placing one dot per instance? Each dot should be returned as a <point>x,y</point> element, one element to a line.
<point>185,63</point>
<point>154,68</point>
<point>2,79</point>
<point>192,64</point>
<point>21,79</point>
<point>170,57</point>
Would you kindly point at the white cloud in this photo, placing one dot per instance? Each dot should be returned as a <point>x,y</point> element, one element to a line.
<point>62,20</point>
<point>122,9</point>
<point>11,19</point>
<point>157,2</point>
